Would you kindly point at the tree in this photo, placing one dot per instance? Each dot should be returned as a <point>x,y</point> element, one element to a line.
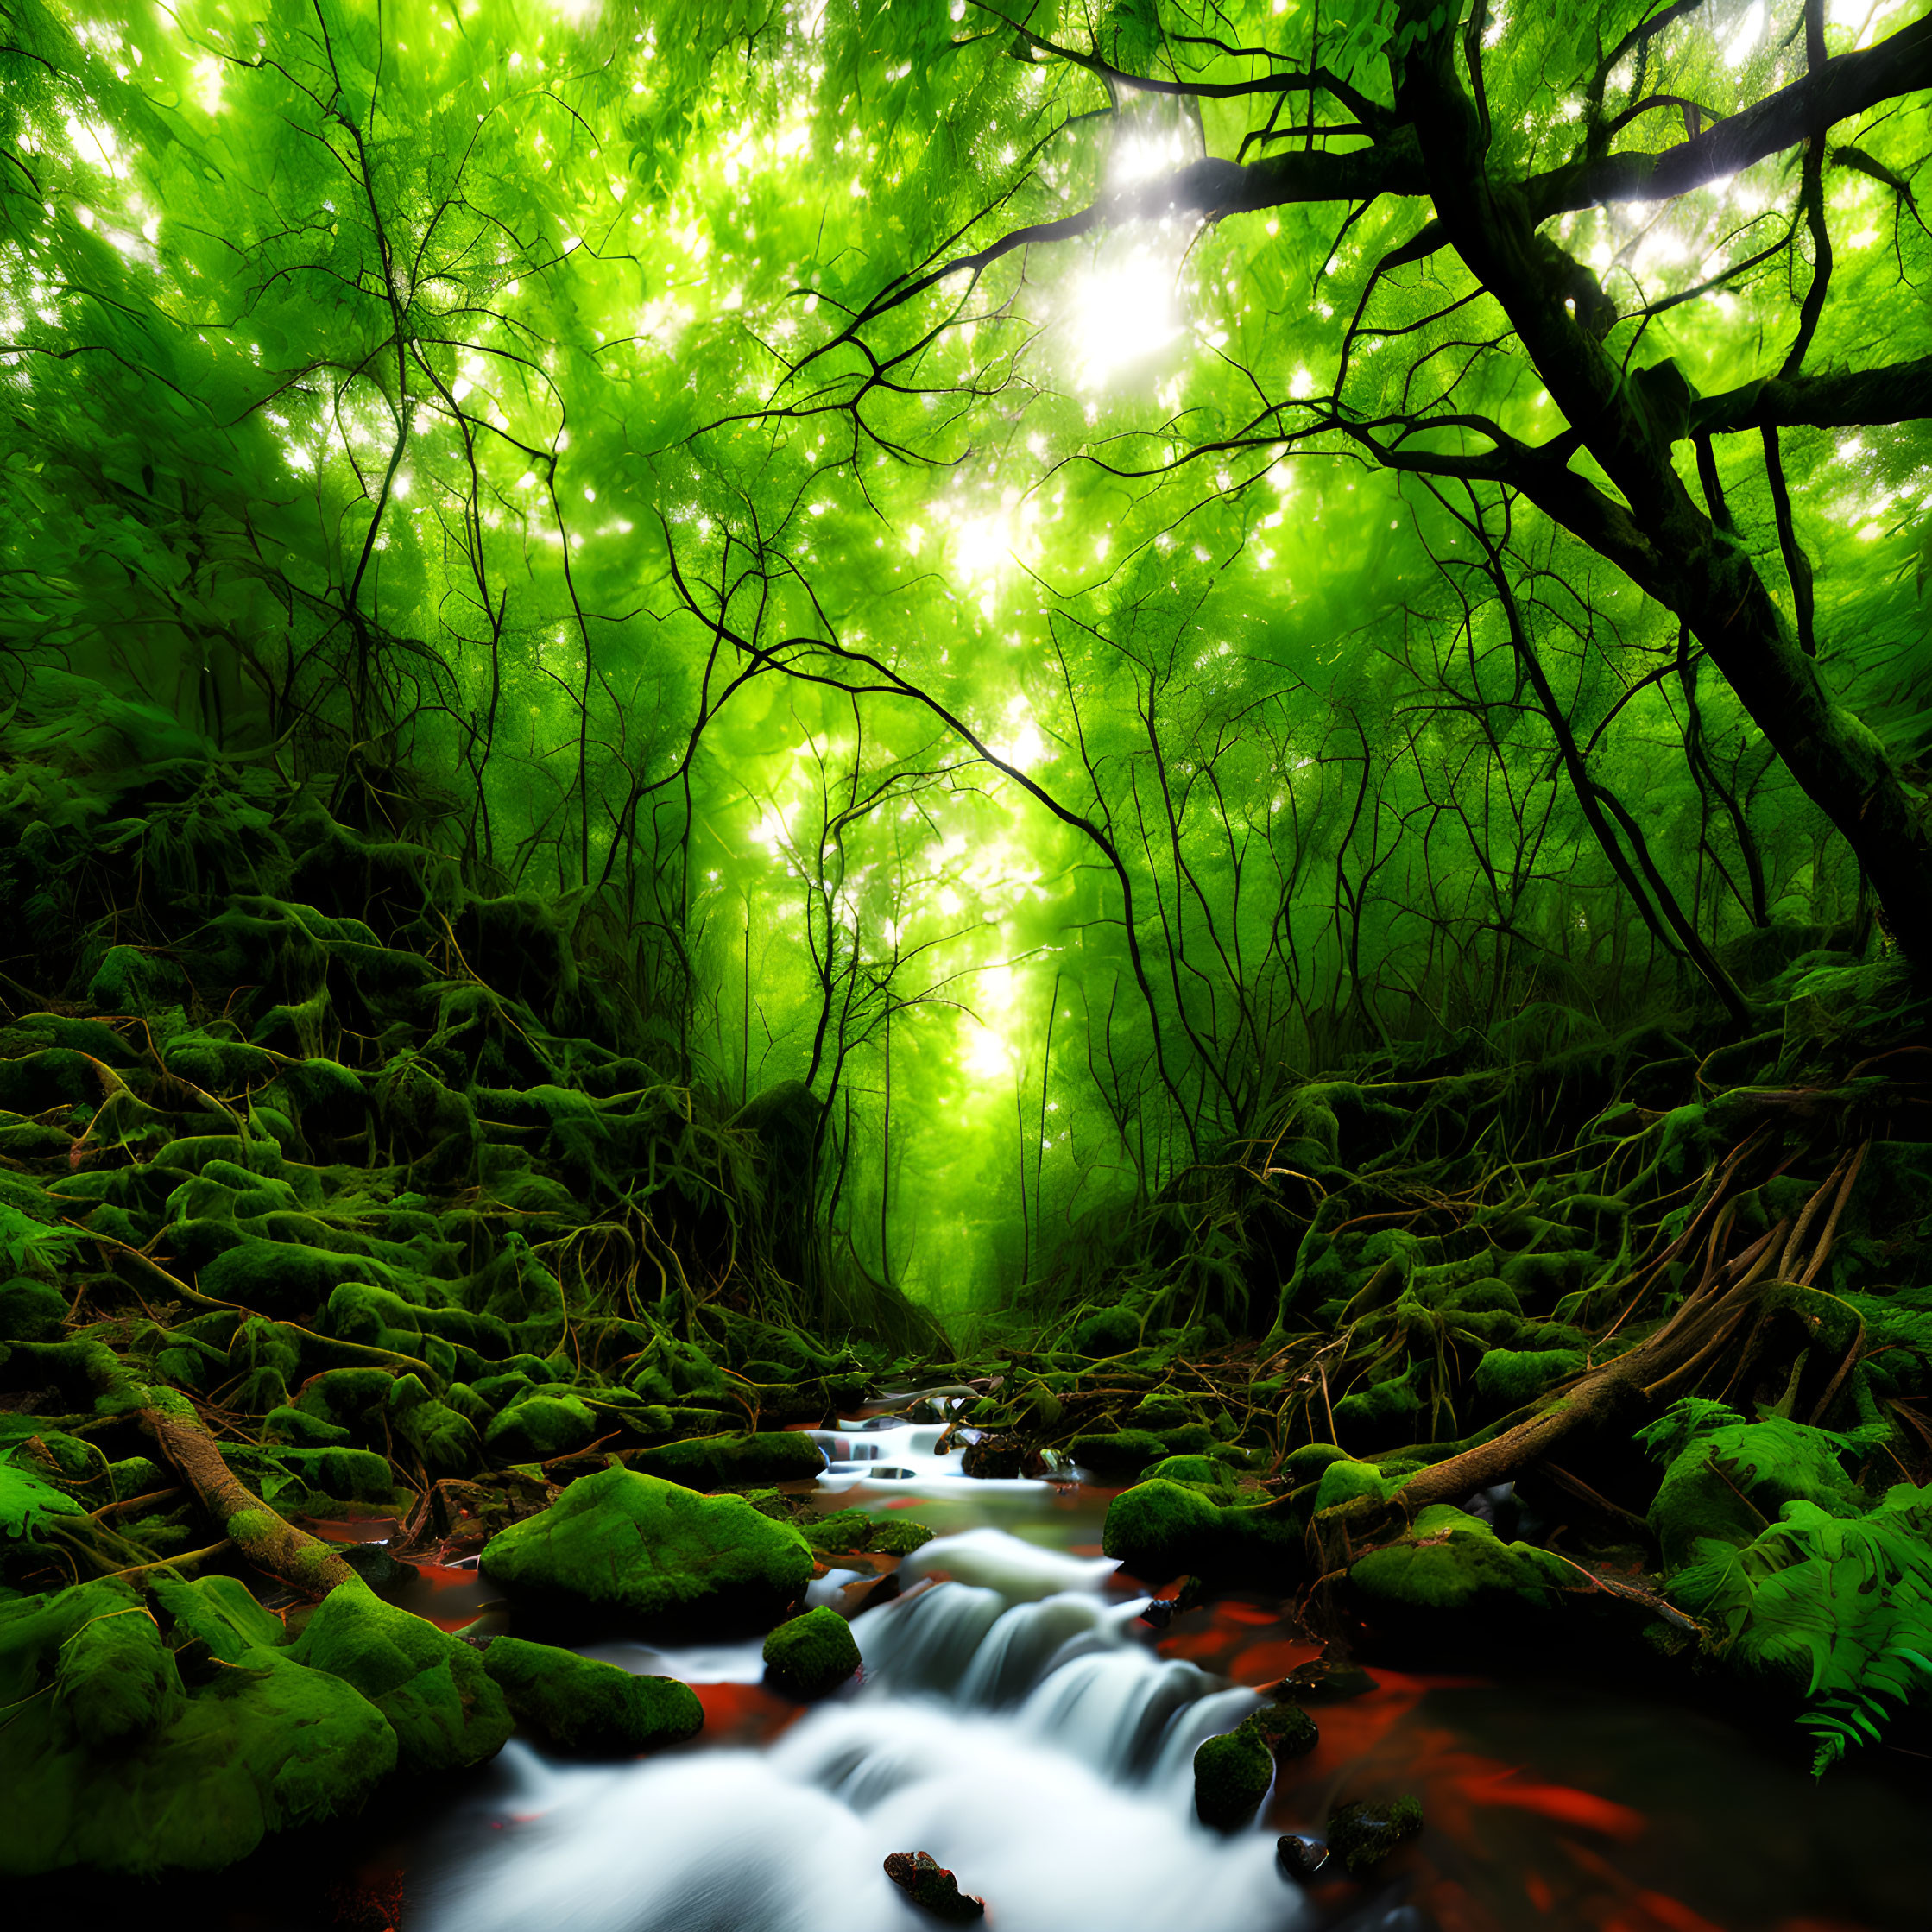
<point>1494,133</point>
<point>1113,555</point>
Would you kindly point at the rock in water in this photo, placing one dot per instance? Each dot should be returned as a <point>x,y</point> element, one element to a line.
<point>1231,1776</point>
<point>932,1888</point>
<point>584,1705</point>
<point>1300,1856</point>
<point>1232,1773</point>
<point>811,1655</point>
<point>1363,1834</point>
<point>651,1556</point>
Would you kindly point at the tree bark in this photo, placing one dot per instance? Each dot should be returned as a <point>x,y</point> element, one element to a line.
<point>304,1563</point>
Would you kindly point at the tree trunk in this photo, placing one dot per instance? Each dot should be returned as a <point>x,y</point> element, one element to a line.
<point>1657,534</point>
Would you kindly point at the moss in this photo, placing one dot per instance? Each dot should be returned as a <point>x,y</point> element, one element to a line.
<point>115,1680</point>
<point>733,1460</point>
<point>1382,1413</point>
<point>442,1704</point>
<point>1508,1377</point>
<point>52,1077</point>
<point>1161,1529</point>
<point>1362,1834</point>
<point>1232,1774</point>
<point>1451,1580</point>
<point>1113,1331</point>
<point>338,1398</point>
<point>894,1536</point>
<point>809,1657</point>
<point>1342,1480</point>
<point>1727,1479</point>
<point>651,1556</point>
<point>1204,1472</point>
<point>587,1706</point>
<point>280,1278</point>
<point>253,1743</point>
<point>537,1427</point>
<point>31,1310</point>
<point>1307,1463</point>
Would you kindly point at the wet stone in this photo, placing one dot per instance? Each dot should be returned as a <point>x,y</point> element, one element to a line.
<point>932,1888</point>
<point>1299,1856</point>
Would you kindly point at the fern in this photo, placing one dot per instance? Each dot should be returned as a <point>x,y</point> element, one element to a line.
<point>1839,1609</point>
<point>28,1246</point>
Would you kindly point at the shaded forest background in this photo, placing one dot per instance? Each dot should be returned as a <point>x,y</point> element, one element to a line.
<point>999,736</point>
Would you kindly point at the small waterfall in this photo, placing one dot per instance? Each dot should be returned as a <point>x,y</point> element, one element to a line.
<point>1008,1723</point>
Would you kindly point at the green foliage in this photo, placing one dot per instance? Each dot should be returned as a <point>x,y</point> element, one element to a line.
<point>27,1500</point>
<point>1837,1610</point>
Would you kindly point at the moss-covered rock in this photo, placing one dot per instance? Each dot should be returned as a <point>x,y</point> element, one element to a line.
<point>809,1657</point>
<point>733,1460</point>
<point>445,1709</point>
<point>1451,1581</point>
<point>141,1738</point>
<point>1508,1377</point>
<point>1161,1529</point>
<point>1232,1774</point>
<point>31,1310</point>
<point>1362,1834</point>
<point>537,1427</point>
<point>589,1705</point>
<point>637,1551</point>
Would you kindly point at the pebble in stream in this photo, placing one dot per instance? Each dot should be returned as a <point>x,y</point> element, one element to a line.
<point>932,1888</point>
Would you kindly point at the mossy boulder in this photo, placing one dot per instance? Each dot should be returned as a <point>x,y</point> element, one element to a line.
<point>1508,1377</point>
<point>1113,1331</point>
<point>1161,1529</point>
<point>734,1460</point>
<point>148,1736</point>
<point>809,1657</point>
<point>538,1427</point>
<point>1232,1773</point>
<point>588,1706</point>
<point>636,1551</point>
<point>444,1707</point>
<point>31,1310</point>
<point>1452,1582</point>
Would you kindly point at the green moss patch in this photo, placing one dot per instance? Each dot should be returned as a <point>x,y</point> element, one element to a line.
<point>141,1740</point>
<point>585,1705</point>
<point>445,1709</point>
<point>632,1550</point>
<point>809,1657</point>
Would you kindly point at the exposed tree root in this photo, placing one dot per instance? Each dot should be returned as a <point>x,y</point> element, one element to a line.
<point>304,1563</point>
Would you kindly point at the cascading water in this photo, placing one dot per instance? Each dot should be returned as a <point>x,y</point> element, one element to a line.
<point>1008,1723</point>
<point>1016,1723</point>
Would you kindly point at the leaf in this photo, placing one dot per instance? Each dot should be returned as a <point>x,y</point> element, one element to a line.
<point>27,1500</point>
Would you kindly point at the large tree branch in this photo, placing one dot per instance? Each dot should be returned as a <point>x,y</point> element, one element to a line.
<point>1850,85</point>
<point>1898,393</point>
<point>1707,580</point>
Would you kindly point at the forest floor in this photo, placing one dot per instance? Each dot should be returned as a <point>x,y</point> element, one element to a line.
<point>331,1187</point>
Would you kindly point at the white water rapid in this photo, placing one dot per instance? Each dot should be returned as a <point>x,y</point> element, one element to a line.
<point>1007,1723</point>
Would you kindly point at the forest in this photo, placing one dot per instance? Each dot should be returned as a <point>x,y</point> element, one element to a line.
<point>1192,734</point>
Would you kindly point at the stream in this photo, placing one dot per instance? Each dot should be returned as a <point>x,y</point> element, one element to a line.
<point>1020,1718</point>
